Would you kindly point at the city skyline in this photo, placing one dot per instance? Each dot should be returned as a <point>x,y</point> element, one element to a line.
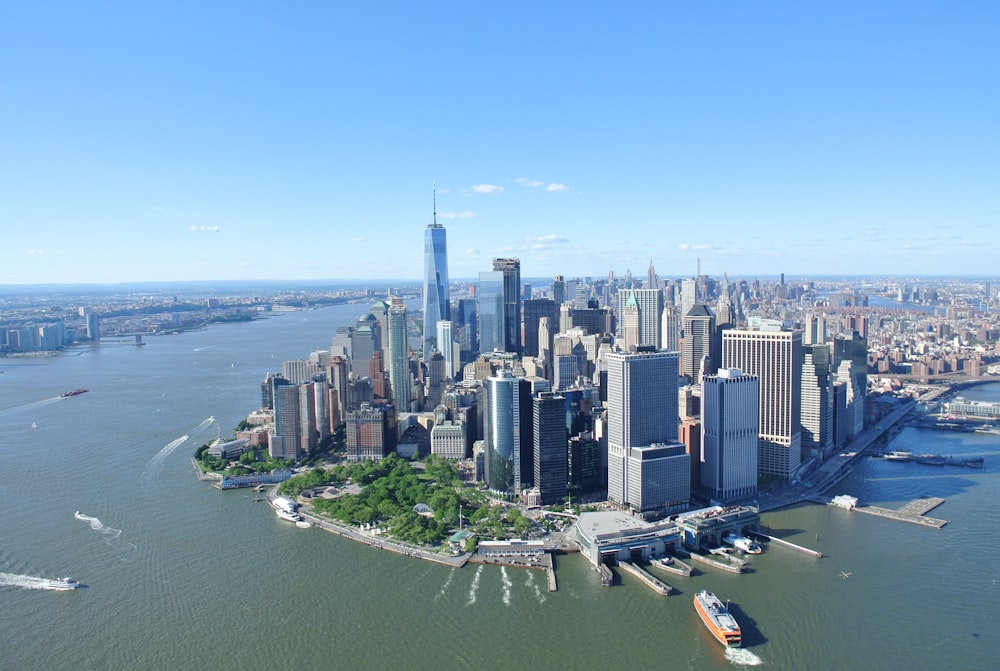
<point>174,144</point>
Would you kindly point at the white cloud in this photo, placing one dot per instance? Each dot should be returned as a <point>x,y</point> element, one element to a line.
<point>203,229</point>
<point>471,250</point>
<point>487,188</point>
<point>457,215</point>
<point>530,183</point>
<point>356,239</point>
<point>686,247</point>
<point>550,239</point>
<point>35,252</point>
<point>556,186</point>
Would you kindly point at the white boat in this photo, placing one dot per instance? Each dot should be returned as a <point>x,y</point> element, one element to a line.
<point>844,501</point>
<point>64,584</point>
<point>287,515</point>
<point>742,543</point>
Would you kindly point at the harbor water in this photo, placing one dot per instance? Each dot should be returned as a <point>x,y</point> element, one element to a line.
<point>179,575</point>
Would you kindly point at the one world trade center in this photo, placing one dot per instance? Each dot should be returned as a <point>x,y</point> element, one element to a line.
<point>436,305</point>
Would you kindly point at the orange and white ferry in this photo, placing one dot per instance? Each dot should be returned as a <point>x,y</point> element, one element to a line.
<point>718,619</point>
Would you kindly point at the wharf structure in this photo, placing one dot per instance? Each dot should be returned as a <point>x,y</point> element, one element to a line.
<point>705,528</point>
<point>613,536</point>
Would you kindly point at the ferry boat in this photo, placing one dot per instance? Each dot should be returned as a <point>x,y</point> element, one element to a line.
<point>64,584</point>
<point>287,515</point>
<point>74,392</point>
<point>717,619</point>
<point>898,455</point>
<point>742,543</point>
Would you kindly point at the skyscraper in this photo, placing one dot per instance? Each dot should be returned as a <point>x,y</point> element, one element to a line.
<point>436,301</point>
<point>817,402</point>
<point>642,410</point>
<point>775,357</point>
<point>551,457</point>
<point>505,431</point>
<point>649,305</point>
<point>491,311</point>
<point>699,333</point>
<point>729,427</point>
<point>511,269</point>
<point>400,384</point>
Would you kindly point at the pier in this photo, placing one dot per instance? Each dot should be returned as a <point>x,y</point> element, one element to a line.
<point>732,564</point>
<point>914,512</point>
<point>793,546</point>
<point>672,565</point>
<point>607,577</point>
<point>653,583</point>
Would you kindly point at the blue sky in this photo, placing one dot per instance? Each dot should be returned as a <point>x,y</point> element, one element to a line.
<point>266,140</point>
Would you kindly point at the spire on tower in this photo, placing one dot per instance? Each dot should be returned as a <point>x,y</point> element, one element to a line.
<point>435,195</point>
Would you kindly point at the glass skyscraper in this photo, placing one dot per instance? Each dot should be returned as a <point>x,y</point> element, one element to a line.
<point>436,305</point>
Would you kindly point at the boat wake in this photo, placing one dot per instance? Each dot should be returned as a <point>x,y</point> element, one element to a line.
<point>506,585</point>
<point>27,582</point>
<point>97,525</point>
<point>531,584</point>
<point>29,406</point>
<point>444,587</point>
<point>123,550</point>
<point>475,586</point>
<point>155,465</point>
<point>742,657</point>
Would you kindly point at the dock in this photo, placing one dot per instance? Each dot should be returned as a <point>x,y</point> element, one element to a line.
<point>673,565</point>
<point>787,544</point>
<point>653,583</point>
<point>607,577</point>
<point>732,564</point>
<point>914,512</point>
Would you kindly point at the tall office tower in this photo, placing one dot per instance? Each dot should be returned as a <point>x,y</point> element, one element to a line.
<point>93,331</point>
<point>448,439</point>
<point>508,432</point>
<point>630,323</point>
<point>380,310</point>
<point>435,379</point>
<point>447,347</point>
<point>817,402</point>
<point>308,433</point>
<point>371,432</point>
<point>297,371</point>
<point>649,303</point>
<point>725,313</point>
<point>730,421</point>
<point>558,290</point>
<point>550,455</point>
<point>699,332</point>
<point>338,373</point>
<point>546,343</point>
<point>642,409</point>
<point>283,441</point>
<point>775,357</point>
<point>652,281</point>
<point>436,303</point>
<point>511,269</point>
<point>534,310</point>
<point>814,332</point>
<point>377,373</point>
<point>365,339</point>
<point>466,326</point>
<point>689,294</point>
<point>658,477</point>
<point>671,328</point>
<point>341,345</point>
<point>491,312</point>
<point>400,382</point>
<point>850,357</point>
<point>585,462</point>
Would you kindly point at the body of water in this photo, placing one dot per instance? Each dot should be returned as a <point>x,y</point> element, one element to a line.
<point>180,575</point>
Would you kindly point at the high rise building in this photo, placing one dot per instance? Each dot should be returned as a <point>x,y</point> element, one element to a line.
<point>436,302</point>
<point>642,410</point>
<point>817,402</point>
<point>371,432</point>
<point>689,294</point>
<point>775,357</point>
<point>558,290</point>
<point>630,322</point>
<point>671,328</point>
<point>491,311</point>
<point>730,421</point>
<point>647,305</point>
<point>400,384</point>
<point>850,357</point>
<point>699,332</point>
<point>507,433</point>
<point>448,347</point>
<point>511,269</point>
<point>534,310</point>
<point>551,458</point>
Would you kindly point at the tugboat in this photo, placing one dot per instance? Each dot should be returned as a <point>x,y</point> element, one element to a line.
<point>717,619</point>
<point>74,392</point>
